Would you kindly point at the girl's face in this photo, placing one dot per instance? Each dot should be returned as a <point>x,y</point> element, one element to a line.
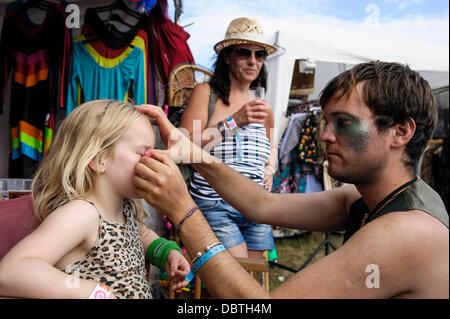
<point>126,153</point>
<point>246,61</point>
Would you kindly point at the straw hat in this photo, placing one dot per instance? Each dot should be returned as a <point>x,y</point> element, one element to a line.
<point>244,30</point>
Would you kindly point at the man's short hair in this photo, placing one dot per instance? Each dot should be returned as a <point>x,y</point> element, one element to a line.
<point>394,93</point>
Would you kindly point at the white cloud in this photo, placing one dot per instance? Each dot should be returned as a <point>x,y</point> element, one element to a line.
<point>212,18</point>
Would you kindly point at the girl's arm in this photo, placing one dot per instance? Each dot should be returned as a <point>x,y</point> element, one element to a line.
<point>28,270</point>
<point>147,236</point>
<point>176,265</point>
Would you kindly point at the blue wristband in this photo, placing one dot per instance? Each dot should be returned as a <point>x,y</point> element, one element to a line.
<point>202,259</point>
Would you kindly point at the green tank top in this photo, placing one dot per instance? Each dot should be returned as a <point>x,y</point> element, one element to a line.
<point>414,195</point>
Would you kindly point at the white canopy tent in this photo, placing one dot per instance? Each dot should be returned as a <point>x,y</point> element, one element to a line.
<point>335,53</point>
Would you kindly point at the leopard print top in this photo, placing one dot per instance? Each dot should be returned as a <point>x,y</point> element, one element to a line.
<point>117,258</point>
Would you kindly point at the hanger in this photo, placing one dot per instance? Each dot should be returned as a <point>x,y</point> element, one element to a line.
<point>118,18</point>
<point>118,5</point>
<point>40,4</point>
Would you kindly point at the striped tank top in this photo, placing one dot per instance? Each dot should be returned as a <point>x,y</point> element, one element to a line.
<point>247,155</point>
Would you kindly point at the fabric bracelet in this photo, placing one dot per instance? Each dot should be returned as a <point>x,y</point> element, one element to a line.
<point>158,250</point>
<point>100,291</point>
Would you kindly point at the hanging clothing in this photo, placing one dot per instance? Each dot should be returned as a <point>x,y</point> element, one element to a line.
<point>89,70</point>
<point>169,42</point>
<point>112,43</point>
<point>307,148</point>
<point>37,56</point>
<point>291,138</point>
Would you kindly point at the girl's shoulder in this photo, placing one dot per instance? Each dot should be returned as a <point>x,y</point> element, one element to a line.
<point>76,211</point>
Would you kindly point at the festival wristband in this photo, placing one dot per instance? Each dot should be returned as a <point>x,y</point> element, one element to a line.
<point>231,124</point>
<point>238,146</point>
<point>100,292</point>
<point>202,259</point>
<point>158,251</point>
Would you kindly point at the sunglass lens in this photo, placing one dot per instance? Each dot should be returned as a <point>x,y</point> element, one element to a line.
<point>246,53</point>
<point>260,54</point>
<point>243,52</point>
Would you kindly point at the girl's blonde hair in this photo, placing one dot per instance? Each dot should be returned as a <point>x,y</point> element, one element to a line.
<point>89,130</point>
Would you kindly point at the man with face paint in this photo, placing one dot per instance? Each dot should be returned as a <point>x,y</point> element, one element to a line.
<point>379,117</point>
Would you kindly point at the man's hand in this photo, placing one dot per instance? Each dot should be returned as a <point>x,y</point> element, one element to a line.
<point>158,180</point>
<point>165,127</point>
<point>181,149</point>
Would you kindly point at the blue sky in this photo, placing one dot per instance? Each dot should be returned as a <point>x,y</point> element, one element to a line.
<point>423,20</point>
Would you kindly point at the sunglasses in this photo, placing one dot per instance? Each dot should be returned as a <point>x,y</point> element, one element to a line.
<point>260,55</point>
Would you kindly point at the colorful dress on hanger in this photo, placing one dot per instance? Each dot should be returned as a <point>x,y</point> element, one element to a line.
<point>37,58</point>
<point>113,42</point>
<point>93,76</point>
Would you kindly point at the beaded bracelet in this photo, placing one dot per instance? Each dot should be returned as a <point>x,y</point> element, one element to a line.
<point>185,217</point>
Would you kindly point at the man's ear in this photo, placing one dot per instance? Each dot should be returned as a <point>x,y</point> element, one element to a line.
<point>404,132</point>
<point>97,164</point>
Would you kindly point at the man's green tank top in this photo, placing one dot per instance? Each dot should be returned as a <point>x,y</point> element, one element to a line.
<point>414,195</point>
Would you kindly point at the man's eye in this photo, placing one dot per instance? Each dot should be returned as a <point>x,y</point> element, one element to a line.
<point>342,122</point>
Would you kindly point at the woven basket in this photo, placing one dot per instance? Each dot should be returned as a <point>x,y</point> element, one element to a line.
<point>182,80</point>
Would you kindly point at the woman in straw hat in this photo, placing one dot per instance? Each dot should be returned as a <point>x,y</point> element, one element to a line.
<point>245,124</point>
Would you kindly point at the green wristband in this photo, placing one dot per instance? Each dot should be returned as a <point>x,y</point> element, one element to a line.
<point>158,250</point>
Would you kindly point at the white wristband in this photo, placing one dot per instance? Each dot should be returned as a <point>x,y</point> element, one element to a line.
<point>100,292</point>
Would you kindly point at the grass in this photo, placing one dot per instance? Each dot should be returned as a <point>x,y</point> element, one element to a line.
<point>294,251</point>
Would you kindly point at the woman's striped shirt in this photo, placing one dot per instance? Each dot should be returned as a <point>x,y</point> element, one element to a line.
<point>247,155</point>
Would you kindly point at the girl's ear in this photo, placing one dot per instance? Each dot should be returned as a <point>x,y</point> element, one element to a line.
<point>97,164</point>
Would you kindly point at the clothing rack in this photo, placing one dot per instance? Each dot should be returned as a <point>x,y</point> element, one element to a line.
<point>311,106</point>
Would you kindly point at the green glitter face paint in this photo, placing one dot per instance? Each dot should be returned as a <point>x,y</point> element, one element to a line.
<point>355,131</point>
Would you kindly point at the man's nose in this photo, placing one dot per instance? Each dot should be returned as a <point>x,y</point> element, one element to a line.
<point>328,135</point>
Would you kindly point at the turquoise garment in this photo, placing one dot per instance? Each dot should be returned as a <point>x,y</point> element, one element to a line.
<point>102,78</point>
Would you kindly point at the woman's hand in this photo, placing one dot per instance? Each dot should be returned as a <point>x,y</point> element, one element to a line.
<point>177,267</point>
<point>251,112</point>
<point>269,173</point>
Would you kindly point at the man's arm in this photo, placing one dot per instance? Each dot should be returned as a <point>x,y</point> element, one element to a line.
<point>315,211</point>
<point>321,211</point>
<point>377,261</point>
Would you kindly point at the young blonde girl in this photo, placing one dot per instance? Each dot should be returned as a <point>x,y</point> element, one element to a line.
<point>91,242</point>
